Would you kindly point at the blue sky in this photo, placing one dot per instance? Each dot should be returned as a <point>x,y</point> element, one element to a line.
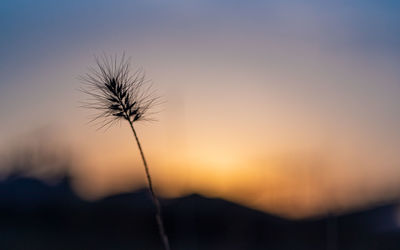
<point>314,79</point>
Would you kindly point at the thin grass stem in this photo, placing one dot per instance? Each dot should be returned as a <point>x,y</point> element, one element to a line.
<point>159,219</point>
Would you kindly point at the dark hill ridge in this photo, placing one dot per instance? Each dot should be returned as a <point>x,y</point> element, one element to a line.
<point>34,215</point>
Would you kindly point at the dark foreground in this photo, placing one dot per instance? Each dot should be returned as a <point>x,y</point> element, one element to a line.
<point>34,215</point>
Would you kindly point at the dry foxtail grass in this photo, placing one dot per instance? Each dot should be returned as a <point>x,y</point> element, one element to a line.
<point>118,94</point>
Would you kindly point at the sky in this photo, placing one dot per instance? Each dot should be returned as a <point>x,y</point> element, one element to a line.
<point>289,107</point>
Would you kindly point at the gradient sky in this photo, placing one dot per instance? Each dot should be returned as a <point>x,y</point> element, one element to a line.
<point>291,107</point>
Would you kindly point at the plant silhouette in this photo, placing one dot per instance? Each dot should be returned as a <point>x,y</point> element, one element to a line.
<point>121,95</point>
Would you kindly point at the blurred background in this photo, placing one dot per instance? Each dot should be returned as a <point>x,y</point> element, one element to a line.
<point>279,126</point>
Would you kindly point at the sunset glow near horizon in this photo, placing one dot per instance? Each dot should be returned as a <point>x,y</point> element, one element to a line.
<point>288,107</point>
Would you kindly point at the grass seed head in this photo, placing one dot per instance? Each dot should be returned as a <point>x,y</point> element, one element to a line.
<point>116,92</point>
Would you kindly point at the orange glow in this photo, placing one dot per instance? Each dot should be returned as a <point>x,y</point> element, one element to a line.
<point>293,184</point>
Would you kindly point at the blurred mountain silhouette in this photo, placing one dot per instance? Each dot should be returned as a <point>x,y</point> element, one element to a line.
<point>35,215</point>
